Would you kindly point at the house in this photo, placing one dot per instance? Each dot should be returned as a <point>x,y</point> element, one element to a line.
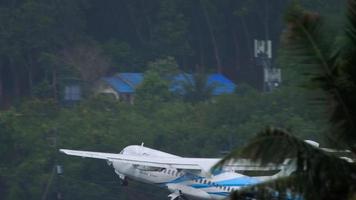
<point>122,86</point>
<point>220,84</point>
<point>71,92</point>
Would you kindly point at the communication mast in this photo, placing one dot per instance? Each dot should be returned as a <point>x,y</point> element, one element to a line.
<point>272,77</point>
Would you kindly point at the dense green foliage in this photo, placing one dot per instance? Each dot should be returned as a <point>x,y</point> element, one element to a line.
<point>29,131</point>
<point>46,43</point>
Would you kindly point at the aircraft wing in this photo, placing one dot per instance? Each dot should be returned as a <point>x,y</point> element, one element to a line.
<point>201,164</point>
<point>88,154</point>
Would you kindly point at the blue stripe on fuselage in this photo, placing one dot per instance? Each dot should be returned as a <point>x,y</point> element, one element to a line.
<point>240,182</point>
<point>236,182</point>
<point>220,193</point>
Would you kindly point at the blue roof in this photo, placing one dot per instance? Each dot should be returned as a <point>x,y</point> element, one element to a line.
<point>223,85</point>
<point>133,78</point>
<point>119,85</point>
<point>128,82</point>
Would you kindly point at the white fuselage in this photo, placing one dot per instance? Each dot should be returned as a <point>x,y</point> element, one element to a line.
<point>182,182</point>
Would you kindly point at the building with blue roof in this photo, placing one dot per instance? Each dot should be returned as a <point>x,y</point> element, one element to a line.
<point>221,84</point>
<point>123,85</point>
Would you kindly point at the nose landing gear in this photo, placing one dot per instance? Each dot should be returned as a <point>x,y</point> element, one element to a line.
<point>123,178</point>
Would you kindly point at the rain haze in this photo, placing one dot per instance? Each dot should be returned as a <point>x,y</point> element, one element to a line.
<point>177,99</point>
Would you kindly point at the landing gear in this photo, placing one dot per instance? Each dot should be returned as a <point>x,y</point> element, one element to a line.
<point>182,197</point>
<point>177,195</point>
<point>123,178</point>
<point>124,182</point>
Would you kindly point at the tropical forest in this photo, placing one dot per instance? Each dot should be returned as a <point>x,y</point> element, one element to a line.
<point>63,70</point>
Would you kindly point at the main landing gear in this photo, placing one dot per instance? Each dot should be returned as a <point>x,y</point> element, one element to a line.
<point>177,195</point>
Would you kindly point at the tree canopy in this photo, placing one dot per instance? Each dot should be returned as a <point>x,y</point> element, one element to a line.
<point>44,44</point>
<point>330,67</point>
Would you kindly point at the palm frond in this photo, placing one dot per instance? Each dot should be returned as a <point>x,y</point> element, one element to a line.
<point>351,16</point>
<point>293,187</point>
<point>303,41</point>
<point>276,189</point>
<point>318,175</point>
<point>196,88</point>
<point>343,89</point>
<point>331,69</point>
<point>270,145</point>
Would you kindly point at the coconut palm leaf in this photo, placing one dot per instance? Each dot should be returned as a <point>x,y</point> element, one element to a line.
<point>343,87</point>
<point>304,42</point>
<point>276,189</point>
<point>318,175</point>
<point>331,70</point>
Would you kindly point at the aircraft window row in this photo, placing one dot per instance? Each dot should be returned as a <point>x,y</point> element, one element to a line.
<point>171,172</point>
<point>204,181</point>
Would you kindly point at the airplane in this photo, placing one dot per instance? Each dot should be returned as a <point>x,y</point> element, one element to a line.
<point>186,178</point>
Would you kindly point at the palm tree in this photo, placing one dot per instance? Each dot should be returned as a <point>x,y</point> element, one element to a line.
<point>333,68</point>
<point>196,87</point>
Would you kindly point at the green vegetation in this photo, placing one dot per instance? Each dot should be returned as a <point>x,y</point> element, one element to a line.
<point>29,131</point>
<point>331,67</point>
<point>45,44</point>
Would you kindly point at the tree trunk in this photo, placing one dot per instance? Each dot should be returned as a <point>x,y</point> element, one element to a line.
<point>29,75</point>
<point>213,38</point>
<point>266,19</point>
<point>236,44</point>
<point>149,24</point>
<point>15,74</point>
<point>247,36</point>
<point>30,82</point>
<point>134,22</point>
<point>54,84</point>
<point>1,87</point>
<point>201,48</point>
